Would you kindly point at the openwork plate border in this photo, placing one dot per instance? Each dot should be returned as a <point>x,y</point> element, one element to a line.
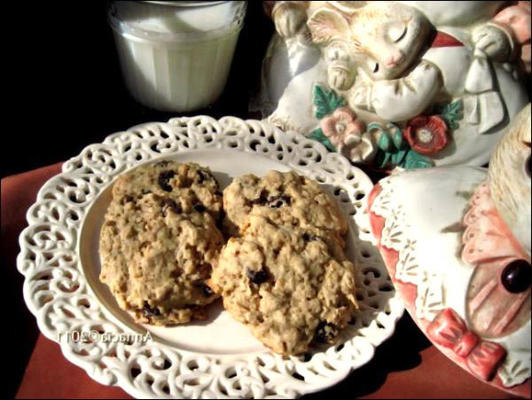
<point>57,293</point>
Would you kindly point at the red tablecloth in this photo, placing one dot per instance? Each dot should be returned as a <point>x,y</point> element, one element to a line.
<point>49,375</point>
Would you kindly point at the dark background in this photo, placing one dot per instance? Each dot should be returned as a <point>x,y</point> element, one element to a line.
<point>66,89</point>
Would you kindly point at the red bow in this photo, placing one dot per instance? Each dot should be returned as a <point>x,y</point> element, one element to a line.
<point>482,357</point>
<point>443,39</point>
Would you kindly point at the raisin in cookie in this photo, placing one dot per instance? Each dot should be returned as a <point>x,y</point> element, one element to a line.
<point>291,289</point>
<point>286,199</point>
<point>190,185</point>
<point>156,249</point>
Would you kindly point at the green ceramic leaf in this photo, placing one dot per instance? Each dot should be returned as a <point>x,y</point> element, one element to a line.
<point>374,126</point>
<point>398,157</point>
<point>320,101</point>
<point>385,142</point>
<point>335,101</point>
<point>326,101</point>
<point>398,141</point>
<point>456,109</point>
<point>382,159</point>
<point>451,113</point>
<point>451,124</point>
<point>324,140</point>
<point>415,160</point>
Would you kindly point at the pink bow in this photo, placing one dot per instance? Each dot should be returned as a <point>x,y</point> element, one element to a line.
<point>482,357</point>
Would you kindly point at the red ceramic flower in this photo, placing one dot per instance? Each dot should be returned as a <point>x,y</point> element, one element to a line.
<point>426,135</point>
<point>340,125</point>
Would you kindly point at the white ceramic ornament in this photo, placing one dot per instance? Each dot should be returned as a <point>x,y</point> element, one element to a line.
<point>456,242</point>
<point>398,84</point>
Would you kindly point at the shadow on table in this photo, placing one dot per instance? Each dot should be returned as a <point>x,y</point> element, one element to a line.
<point>398,353</point>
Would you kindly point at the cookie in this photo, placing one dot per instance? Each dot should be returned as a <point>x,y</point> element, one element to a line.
<point>286,199</point>
<point>291,289</point>
<point>156,249</point>
<point>190,185</point>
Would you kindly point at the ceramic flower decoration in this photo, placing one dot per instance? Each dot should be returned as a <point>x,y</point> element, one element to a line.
<point>456,241</point>
<point>426,135</point>
<point>340,125</point>
<point>453,67</point>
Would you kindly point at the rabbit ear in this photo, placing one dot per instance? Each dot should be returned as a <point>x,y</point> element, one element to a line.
<point>325,25</point>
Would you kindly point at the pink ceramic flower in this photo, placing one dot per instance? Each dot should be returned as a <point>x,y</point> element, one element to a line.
<point>426,135</point>
<point>340,125</point>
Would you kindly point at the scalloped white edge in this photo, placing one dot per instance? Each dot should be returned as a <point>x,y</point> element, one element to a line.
<point>57,293</point>
<point>430,298</point>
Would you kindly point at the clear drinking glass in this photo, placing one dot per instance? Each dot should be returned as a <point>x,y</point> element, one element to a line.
<point>176,55</point>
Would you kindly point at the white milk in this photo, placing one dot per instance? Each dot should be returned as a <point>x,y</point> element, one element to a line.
<point>176,56</point>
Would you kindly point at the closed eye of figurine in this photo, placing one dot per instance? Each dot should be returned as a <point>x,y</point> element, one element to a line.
<point>397,31</point>
<point>373,65</point>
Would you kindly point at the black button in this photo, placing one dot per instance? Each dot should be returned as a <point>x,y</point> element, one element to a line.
<point>516,276</point>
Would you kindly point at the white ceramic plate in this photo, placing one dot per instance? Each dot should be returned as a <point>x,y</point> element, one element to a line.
<point>219,357</point>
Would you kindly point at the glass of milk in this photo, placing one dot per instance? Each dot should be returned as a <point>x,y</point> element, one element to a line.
<point>176,55</point>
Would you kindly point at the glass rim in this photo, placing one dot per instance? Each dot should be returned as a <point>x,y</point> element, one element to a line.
<point>145,35</point>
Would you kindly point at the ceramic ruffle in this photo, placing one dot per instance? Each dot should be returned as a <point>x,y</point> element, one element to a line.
<point>456,242</point>
<point>436,90</point>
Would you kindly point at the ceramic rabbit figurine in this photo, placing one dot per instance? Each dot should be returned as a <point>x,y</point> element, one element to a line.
<point>456,241</point>
<point>433,84</point>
